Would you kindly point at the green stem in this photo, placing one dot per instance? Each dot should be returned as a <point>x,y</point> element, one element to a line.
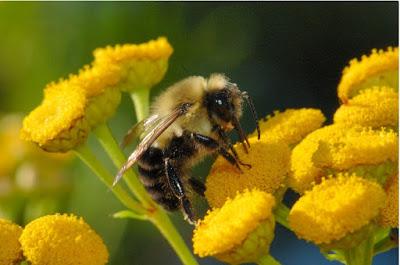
<point>140,98</point>
<point>268,260</point>
<point>281,215</point>
<point>87,156</point>
<point>385,244</point>
<point>108,142</point>
<point>361,254</point>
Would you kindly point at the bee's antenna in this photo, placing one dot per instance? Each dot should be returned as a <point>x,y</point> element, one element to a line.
<point>250,103</point>
<point>242,136</point>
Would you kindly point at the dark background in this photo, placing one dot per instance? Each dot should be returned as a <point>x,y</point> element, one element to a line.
<point>286,55</point>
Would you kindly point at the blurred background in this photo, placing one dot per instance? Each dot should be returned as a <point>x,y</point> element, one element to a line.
<point>286,55</point>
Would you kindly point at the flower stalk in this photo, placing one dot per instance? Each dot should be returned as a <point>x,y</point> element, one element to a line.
<point>361,254</point>
<point>140,98</point>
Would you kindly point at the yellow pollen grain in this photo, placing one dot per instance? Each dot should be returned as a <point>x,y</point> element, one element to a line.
<point>389,216</point>
<point>227,227</point>
<point>59,111</point>
<point>292,125</point>
<point>375,107</point>
<point>335,208</point>
<point>62,240</point>
<point>10,248</point>
<point>380,68</point>
<point>269,162</point>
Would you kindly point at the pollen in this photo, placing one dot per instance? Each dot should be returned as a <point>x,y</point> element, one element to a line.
<point>10,248</point>
<point>225,229</point>
<point>380,68</point>
<point>375,107</point>
<point>303,172</point>
<point>389,216</point>
<point>143,65</point>
<point>358,146</point>
<point>292,125</point>
<point>335,208</point>
<point>269,162</point>
<point>58,123</point>
<point>62,239</point>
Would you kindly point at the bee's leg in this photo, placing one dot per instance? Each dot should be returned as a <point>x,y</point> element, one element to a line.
<point>176,186</point>
<point>212,144</point>
<point>197,186</point>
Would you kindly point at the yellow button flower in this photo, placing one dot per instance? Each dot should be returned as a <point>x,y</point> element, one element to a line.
<point>303,172</point>
<point>10,248</point>
<point>390,213</point>
<point>62,240</point>
<point>269,162</point>
<point>292,125</point>
<point>358,146</point>
<point>58,124</point>
<point>375,107</point>
<point>380,68</point>
<point>143,65</point>
<point>336,208</point>
<point>240,231</point>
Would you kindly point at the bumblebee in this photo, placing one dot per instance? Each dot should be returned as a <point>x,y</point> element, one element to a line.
<point>188,121</point>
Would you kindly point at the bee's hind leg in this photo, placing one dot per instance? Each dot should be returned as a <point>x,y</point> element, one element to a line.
<point>177,188</point>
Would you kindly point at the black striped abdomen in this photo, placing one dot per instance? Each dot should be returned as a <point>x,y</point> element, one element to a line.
<point>152,175</point>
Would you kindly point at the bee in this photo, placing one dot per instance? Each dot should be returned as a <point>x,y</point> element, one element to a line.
<point>188,121</point>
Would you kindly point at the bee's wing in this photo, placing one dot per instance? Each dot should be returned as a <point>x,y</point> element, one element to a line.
<point>159,126</point>
<point>140,128</point>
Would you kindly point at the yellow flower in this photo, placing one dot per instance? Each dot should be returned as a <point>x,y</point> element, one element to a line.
<point>358,146</point>
<point>292,125</point>
<point>336,208</point>
<point>143,65</point>
<point>269,166</point>
<point>10,248</point>
<point>62,240</point>
<point>303,172</point>
<point>374,107</point>
<point>390,213</point>
<point>379,68</point>
<point>240,231</point>
<point>58,124</point>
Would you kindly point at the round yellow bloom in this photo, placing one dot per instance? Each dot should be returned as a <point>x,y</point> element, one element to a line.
<point>375,107</point>
<point>335,208</point>
<point>269,162</point>
<point>380,68</point>
<point>358,146</point>
<point>292,125</point>
<point>303,172</point>
<point>58,124</point>
<point>143,65</point>
<point>62,240</point>
<point>10,248</point>
<point>240,231</point>
<point>390,213</point>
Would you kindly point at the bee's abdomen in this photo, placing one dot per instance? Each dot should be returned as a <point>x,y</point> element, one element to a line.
<point>152,175</point>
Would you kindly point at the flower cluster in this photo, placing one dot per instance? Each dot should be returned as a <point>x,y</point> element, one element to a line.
<point>71,108</point>
<point>346,173</point>
<point>53,239</point>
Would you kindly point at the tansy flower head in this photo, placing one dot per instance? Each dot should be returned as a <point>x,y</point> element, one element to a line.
<point>62,240</point>
<point>379,68</point>
<point>269,162</point>
<point>292,125</point>
<point>359,146</point>
<point>143,65</point>
<point>240,231</point>
<point>58,124</point>
<point>10,248</point>
<point>303,172</point>
<point>374,107</point>
<point>390,213</point>
<point>335,208</point>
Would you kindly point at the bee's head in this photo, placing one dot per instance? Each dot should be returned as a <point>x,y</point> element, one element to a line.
<point>223,101</point>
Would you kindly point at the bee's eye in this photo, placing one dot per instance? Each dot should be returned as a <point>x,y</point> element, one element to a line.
<point>219,104</point>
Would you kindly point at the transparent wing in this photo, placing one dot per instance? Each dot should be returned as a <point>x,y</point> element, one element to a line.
<point>140,128</point>
<point>159,125</point>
